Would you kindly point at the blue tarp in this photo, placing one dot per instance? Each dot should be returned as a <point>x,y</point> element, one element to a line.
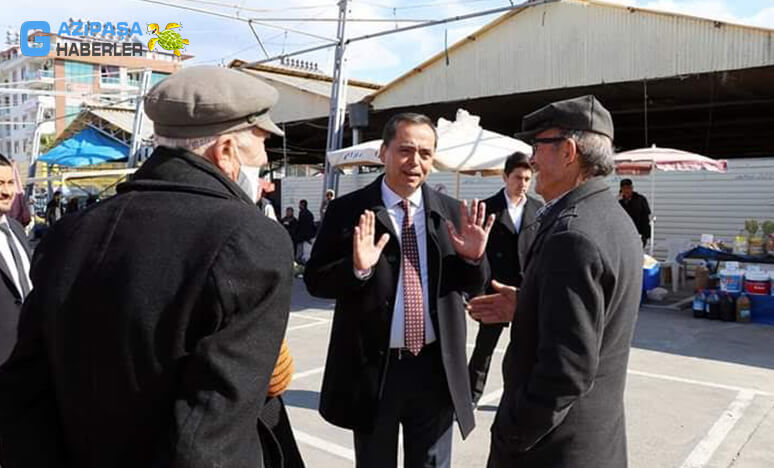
<point>84,149</point>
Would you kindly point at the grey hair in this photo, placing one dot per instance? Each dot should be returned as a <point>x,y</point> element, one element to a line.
<point>596,150</point>
<point>199,145</point>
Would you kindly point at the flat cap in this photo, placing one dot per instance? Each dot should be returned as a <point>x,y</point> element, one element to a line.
<point>583,113</point>
<point>207,101</point>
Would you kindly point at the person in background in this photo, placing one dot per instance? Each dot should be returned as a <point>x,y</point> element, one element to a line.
<point>54,209</point>
<point>329,195</point>
<point>306,229</point>
<point>636,206</point>
<point>511,237</point>
<point>156,322</point>
<point>15,282</point>
<point>290,223</point>
<point>564,372</point>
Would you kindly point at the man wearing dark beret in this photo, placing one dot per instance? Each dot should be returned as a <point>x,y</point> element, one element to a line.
<point>157,315</point>
<point>573,319</point>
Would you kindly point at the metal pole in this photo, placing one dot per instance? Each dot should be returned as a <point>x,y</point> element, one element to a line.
<point>137,126</point>
<point>284,151</point>
<point>652,206</point>
<point>35,146</point>
<point>338,100</point>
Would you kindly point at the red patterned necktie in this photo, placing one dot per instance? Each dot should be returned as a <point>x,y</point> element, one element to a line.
<point>413,306</point>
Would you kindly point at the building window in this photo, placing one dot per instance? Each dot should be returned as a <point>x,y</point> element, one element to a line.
<point>156,77</point>
<point>71,112</point>
<point>109,74</point>
<point>76,72</point>
<point>135,78</point>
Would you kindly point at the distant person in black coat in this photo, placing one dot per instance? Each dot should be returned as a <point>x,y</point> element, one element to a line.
<point>637,207</point>
<point>15,283</point>
<point>157,317</point>
<point>306,229</point>
<point>509,239</point>
<point>564,372</point>
<point>290,223</point>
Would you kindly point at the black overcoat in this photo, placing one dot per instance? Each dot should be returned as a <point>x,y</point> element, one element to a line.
<point>153,328</point>
<point>360,339</point>
<point>565,369</point>
<point>10,298</point>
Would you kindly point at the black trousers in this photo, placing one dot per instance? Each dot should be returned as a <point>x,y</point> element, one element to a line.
<point>481,359</point>
<point>416,397</point>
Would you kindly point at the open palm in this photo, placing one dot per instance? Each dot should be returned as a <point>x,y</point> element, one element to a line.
<point>365,253</point>
<point>470,241</point>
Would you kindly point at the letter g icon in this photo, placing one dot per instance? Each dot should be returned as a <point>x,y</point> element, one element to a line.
<point>45,40</point>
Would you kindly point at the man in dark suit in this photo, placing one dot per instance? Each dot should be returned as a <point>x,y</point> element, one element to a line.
<point>305,229</point>
<point>397,349</point>
<point>15,283</point>
<point>511,235</point>
<point>565,368</point>
<point>156,320</point>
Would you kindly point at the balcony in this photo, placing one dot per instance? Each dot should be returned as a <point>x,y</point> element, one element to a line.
<point>42,79</point>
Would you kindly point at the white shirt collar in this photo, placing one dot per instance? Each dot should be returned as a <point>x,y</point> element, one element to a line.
<point>509,201</point>
<point>4,220</point>
<point>391,198</point>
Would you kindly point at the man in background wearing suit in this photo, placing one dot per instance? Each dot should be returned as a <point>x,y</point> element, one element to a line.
<point>15,282</point>
<point>397,257</point>
<point>511,236</point>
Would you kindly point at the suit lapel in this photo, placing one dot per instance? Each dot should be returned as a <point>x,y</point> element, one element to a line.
<point>7,278</point>
<point>435,222</point>
<point>18,231</point>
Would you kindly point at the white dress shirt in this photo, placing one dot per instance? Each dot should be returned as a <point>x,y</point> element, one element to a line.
<point>5,252</point>
<point>392,202</point>
<point>515,210</point>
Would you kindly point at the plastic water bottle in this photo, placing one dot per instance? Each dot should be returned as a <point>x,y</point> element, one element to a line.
<point>727,308</point>
<point>743,309</point>
<point>698,304</point>
<point>712,305</point>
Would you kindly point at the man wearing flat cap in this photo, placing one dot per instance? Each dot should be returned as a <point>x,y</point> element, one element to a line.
<point>573,317</point>
<point>157,315</point>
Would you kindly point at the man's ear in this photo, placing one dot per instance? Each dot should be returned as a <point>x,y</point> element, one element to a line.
<point>571,151</point>
<point>224,155</point>
<point>381,153</point>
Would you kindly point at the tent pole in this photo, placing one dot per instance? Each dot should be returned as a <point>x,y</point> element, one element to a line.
<point>652,206</point>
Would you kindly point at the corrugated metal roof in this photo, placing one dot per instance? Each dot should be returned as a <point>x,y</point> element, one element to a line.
<point>124,119</point>
<point>321,88</point>
<point>571,43</point>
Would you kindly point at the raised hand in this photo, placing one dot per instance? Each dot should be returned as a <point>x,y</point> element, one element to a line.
<point>365,253</point>
<point>495,308</point>
<point>470,242</point>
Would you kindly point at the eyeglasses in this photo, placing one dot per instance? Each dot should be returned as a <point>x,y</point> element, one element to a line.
<point>538,141</point>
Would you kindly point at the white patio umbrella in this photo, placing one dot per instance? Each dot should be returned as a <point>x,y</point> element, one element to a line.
<point>646,161</point>
<point>363,154</point>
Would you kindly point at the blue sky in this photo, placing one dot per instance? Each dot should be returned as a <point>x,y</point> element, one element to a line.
<point>215,40</point>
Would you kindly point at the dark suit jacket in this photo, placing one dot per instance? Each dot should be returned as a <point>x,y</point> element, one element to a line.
<point>153,328</point>
<point>505,246</point>
<point>565,369</point>
<point>360,339</point>
<point>10,298</point>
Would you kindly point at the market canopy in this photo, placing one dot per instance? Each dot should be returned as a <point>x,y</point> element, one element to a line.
<point>85,148</point>
<point>642,161</point>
